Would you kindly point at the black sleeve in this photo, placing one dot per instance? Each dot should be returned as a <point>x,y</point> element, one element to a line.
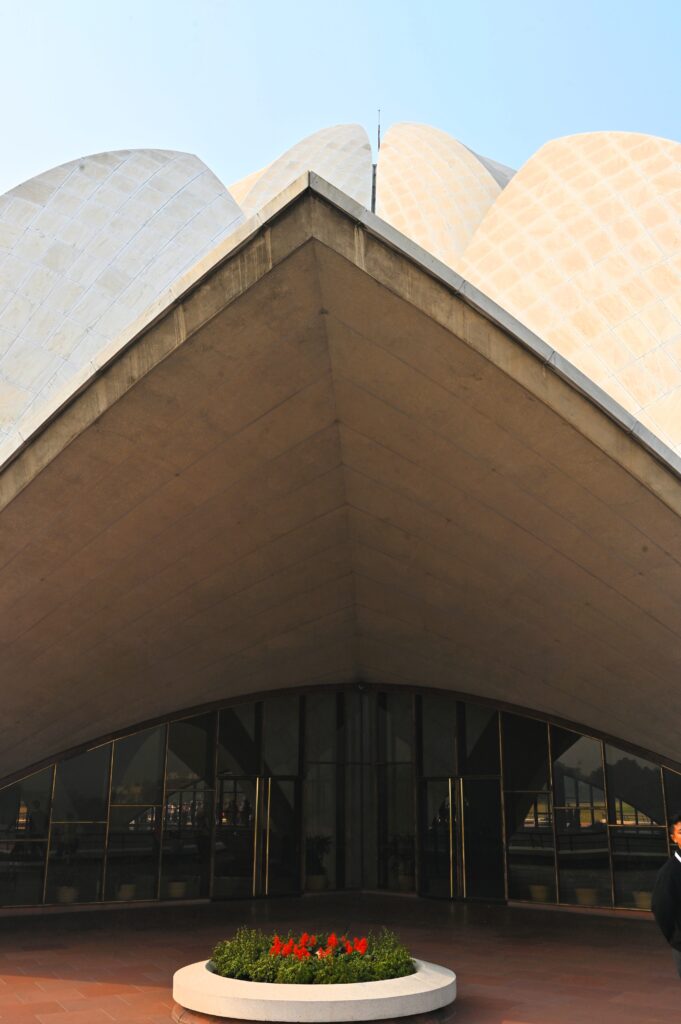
<point>664,903</point>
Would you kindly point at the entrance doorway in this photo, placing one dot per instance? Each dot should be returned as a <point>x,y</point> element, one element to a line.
<point>257,850</point>
<point>461,853</point>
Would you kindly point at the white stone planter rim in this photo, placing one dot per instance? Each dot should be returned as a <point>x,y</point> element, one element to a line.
<point>197,987</point>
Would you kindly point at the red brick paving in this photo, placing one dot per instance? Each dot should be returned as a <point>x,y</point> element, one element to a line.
<point>514,965</point>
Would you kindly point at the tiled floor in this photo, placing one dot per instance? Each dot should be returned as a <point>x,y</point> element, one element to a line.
<point>514,965</point>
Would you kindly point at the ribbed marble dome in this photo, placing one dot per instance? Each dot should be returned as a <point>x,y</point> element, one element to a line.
<point>582,245</point>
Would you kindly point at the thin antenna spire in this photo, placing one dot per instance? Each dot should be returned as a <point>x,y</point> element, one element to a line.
<point>379,127</point>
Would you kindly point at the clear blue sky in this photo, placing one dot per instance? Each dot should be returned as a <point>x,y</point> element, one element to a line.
<point>237,83</point>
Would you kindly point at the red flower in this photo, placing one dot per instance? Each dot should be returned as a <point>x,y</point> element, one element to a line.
<point>288,948</point>
<point>301,952</point>
<point>360,945</point>
<point>303,940</point>
<point>332,940</point>
<point>312,940</point>
<point>348,946</point>
<point>275,948</point>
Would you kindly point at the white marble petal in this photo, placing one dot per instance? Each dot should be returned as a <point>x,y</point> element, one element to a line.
<point>85,249</point>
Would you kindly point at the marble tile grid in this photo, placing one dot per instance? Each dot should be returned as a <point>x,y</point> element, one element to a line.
<point>514,965</point>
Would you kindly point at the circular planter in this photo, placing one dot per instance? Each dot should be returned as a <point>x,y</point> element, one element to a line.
<point>198,988</point>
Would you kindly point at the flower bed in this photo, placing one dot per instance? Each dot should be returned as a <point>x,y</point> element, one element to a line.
<point>312,958</point>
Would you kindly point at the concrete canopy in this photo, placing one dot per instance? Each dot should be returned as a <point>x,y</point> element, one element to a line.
<point>325,462</point>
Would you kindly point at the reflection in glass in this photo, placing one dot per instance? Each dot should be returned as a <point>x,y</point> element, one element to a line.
<point>238,752</point>
<point>282,852</point>
<point>583,858</point>
<point>320,827</point>
<point>396,840</point>
<point>75,861</point>
<point>22,866</point>
<point>234,838</point>
<point>436,877</point>
<point>478,740</point>
<point>185,860</point>
<point>672,785</point>
<point>634,789</point>
<point>81,787</point>
<point>395,726</point>
<point>438,734</point>
<point>25,806</point>
<point>321,714</point>
<point>484,850</point>
<point>190,752</point>
<point>530,854</point>
<point>137,776</point>
<point>578,775</point>
<point>132,854</point>
<point>281,725</point>
<point>526,753</point>
<point>637,856</point>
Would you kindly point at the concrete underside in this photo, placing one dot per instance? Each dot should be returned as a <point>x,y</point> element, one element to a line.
<point>322,465</point>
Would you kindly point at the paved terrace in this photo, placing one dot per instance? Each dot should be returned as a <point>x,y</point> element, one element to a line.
<point>514,965</point>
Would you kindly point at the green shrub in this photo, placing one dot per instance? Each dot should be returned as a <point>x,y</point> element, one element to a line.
<point>255,956</point>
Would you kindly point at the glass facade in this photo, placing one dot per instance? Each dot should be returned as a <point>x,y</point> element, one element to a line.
<point>341,789</point>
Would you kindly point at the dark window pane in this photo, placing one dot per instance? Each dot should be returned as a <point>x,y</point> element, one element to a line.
<point>395,726</point>
<point>396,840</point>
<point>133,853</point>
<point>22,865</point>
<point>483,839</point>
<point>436,865</point>
<point>81,788</point>
<point>577,771</point>
<point>583,858</point>
<point>321,714</point>
<point>478,740</point>
<point>25,806</point>
<point>234,836</point>
<point>238,752</point>
<point>672,784</point>
<point>526,757</point>
<point>186,844</point>
<point>637,856</point>
<point>438,734</point>
<point>530,847</point>
<point>634,789</point>
<point>320,827</point>
<point>280,735</point>
<point>190,752</point>
<point>138,768</point>
<point>75,861</point>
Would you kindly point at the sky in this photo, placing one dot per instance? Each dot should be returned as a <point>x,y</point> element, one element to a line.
<point>238,83</point>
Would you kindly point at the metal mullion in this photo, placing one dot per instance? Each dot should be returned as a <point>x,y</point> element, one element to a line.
<point>213,822</point>
<point>108,823</point>
<point>665,811</point>
<point>552,811</point>
<point>267,836</point>
<point>451,839</point>
<point>49,832</point>
<point>606,797</point>
<point>502,781</point>
<point>162,830</point>
<point>256,834</point>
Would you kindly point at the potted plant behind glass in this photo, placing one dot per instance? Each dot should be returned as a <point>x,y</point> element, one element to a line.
<point>317,847</point>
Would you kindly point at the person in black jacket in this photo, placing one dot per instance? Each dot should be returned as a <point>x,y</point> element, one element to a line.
<point>666,904</point>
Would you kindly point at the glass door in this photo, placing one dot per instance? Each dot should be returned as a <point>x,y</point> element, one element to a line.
<point>257,851</point>
<point>280,850</point>
<point>460,842</point>
<point>234,858</point>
